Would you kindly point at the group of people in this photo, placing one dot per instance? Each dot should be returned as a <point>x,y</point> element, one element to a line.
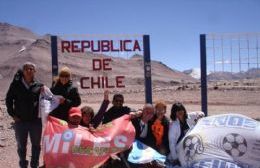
<point>152,126</point>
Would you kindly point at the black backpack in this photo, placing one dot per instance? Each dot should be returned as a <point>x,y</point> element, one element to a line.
<point>18,75</point>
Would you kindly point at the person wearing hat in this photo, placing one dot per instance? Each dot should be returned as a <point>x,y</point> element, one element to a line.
<point>63,86</point>
<point>74,119</point>
<point>75,116</point>
<point>22,102</point>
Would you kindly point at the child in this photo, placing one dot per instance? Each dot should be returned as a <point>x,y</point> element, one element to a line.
<point>88,118</point>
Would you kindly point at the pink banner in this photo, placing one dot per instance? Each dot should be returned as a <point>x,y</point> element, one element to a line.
<point>65,146</point>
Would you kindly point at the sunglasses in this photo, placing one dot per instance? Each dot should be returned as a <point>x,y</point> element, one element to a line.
<point>29,69</point>
<point>64,76</point>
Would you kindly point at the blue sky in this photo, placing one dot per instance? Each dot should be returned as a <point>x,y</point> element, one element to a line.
<point>174,26</point>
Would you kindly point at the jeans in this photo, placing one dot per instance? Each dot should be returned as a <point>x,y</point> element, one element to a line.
<point>34,130</point>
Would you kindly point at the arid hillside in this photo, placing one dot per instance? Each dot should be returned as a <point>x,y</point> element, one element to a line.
<point>19,45</point>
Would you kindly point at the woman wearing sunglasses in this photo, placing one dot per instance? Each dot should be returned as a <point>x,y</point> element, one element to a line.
<point>63,86</point>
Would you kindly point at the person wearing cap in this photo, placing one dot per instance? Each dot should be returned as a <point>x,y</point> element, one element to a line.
<point>63,86</point>
<point>75,116</point>
<point>22,102</point>
<point>74,119</point>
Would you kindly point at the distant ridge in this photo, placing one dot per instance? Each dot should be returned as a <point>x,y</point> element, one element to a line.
<point>250,74</point>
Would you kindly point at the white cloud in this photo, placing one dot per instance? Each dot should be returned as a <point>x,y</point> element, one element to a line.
<point>223,62</point>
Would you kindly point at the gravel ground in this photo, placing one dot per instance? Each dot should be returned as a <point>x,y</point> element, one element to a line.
<point>243,102</point>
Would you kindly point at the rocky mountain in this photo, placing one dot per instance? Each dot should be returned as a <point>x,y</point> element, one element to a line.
<point>215,76</point>
<point>250,74</point>
<point>19,45</point>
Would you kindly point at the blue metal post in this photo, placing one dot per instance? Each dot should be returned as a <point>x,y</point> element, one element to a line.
<point>203,78</point>
<point>54,56</point>
<point>147,69</point>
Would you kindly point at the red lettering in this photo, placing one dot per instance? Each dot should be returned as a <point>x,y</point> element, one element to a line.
<point>84,44</point>
<point>107,84</point>
<point>121,45</point>
<point>93,46</point>
<point>65,45</point>
<point>102,82</point>
<point>82,83</point>
<point>125,45</point>
<point>105,45</point>
<point>112,46</point>
<point>136,46</point>
<point>93,83</point>
<point>106,64</point>
<point>101,64</point>
<point>119,81</point>
<point>96,64</point>
<point>74,46</point>
<point>100,46</point>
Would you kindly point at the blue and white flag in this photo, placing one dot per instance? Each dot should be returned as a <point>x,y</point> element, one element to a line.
<point>142,153</point>
<point>47,103</point>
<point>225,140</point>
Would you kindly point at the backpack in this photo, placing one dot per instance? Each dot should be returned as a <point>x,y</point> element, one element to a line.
<point>18,75</point>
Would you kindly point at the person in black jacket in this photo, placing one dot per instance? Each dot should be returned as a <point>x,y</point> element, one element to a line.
<point>63,86</point>
<point>143,131</point>
<point>89,119</point>
<point>22,102</point>
<point>142,125</point>
<point>117,110</point>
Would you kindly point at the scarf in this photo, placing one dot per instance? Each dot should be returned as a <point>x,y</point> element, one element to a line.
<point>157,130</point>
